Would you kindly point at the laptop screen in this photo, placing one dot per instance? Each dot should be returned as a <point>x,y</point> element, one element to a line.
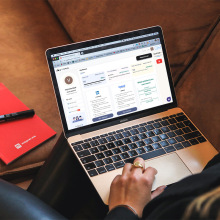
<point>111,79</point>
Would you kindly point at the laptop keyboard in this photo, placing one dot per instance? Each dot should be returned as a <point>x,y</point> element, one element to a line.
<point>111,151</point>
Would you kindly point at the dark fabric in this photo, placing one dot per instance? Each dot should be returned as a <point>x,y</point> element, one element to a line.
<point>16,203</point>
<point>172,203</point>
<point>121,213</point>
<point>198,91</point>
<point>184,22</point>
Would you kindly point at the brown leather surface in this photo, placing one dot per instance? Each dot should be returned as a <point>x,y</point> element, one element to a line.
<point>184,22</point>
<point>198,92</point>
<point>28,28</point>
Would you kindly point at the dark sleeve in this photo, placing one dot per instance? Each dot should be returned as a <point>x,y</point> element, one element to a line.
<point>121,213</point>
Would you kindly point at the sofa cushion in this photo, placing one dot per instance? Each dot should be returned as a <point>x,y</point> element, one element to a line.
<point>28,28</point>
<point>184,22</point>
<point>198,91</point>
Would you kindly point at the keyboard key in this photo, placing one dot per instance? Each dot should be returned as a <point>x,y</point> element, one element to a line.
<point>87,140</point>
<point>165,129</point>
<point>164,122</point>
<point>110,145</point>
<point>148,155</point>
<point>118,143</point>
<point>159,119</point>
<point>156,139</point>
<point>179,132</point>
<point>150,122</point>
<point>102,141</point>
<point>188,123</point>
<point>102,147</point>
<point>118,136</point>
<point>126,141</point>
<point>142,136</point>
<point>186,144</point>
<point>77,148</point>
<point>110,138</point>
<point>108,160</point>
<point>104,135</point>
<point>201,139</point>
<point>101,170</point>
<point>132,153</point>
<point>134,131</point>
<point>100,156</point>
<point>172,127</point>
<point>171,134</point>
<point>119,164</point>
<point>94,143</point>
<point>157,131</point>
<point>132,146</point>
<point>148,148</point>
<point>157,125</point>
<point>140,150</point>
<point>140,143</point>
<point>108,153</point>
<point>88,159</point>
<point>126,134</point>
<point>180,125</point>
<point>172,121</point>
<point>150,134</point>
<point>148,141</point>
<point>180,139</point>
<point>149,127</point>
<point>134,138</point>
<point>111,133</point>
<point>90,166</point>
<point>193,141</point>
<point>119,131</point>
<point>178,146</point>
<point>156,146</point>
<point>181,118</point>
<point>142,129</point>
<point>99,163</point>
<point>172,141</point>
<point>143,124</point>
<point>169,149</point>
<point>135,126</point>
<point>110,167</point>
<point>116,158</point>
<point>94,150</point>
<point>92,173</point>
<point>163,136</point>
<point>96,137</point>
<point>86,145</point>
<point>124,155</point>
<point>164,143</point>
<point>124,148</point>
<point>83,153</point>
<point>186,130</point>
<point>116,151</point>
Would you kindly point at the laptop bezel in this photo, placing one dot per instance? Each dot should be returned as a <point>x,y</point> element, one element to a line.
<point>121,119</point>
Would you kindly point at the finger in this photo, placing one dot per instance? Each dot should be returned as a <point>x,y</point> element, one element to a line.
<point>149,174</point>
<point>137,169</point>
<point>126,169</point>
<point>158,191</point>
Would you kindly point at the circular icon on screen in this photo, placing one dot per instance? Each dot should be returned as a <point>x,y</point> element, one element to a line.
<point>168,99</point>
<point>68,80</point>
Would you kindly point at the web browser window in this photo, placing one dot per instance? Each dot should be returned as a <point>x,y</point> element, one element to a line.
<point>111,80</point>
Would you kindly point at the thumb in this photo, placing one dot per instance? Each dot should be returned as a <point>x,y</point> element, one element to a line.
<point>157,191</point>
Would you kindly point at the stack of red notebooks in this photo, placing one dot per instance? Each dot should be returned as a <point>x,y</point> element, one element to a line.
<point>19,136</point>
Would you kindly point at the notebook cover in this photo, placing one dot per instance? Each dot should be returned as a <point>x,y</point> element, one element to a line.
<point>19,136</point>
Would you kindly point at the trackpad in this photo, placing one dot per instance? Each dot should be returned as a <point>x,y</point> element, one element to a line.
<point>170,169</point>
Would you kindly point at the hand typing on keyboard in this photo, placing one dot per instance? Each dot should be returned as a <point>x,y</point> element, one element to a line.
<point>132,189</point>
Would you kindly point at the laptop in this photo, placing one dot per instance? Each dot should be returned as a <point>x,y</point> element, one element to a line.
<point>117,102</point>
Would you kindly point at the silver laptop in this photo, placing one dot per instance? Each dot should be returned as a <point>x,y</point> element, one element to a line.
<point>117,102</point>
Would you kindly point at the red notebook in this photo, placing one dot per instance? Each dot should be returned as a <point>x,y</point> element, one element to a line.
<point>19,136</point>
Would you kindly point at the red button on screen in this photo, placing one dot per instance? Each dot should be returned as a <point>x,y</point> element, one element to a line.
<point>159,61</point>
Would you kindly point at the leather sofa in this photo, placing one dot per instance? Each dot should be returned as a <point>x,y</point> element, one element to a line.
<point>28,28</point>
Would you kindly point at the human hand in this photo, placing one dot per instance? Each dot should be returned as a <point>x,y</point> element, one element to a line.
<point>133,187</point>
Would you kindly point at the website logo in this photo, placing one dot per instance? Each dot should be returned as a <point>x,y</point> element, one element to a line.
<point>18,146</point>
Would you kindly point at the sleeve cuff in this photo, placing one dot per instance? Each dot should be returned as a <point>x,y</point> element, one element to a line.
<point>121,213</point>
